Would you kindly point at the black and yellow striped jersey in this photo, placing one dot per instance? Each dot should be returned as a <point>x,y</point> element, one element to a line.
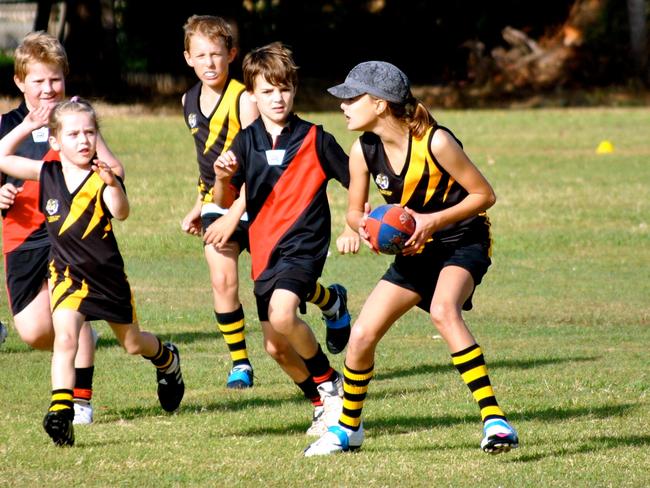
<point>423,185</point>
<point>86,268</point>
<point>213,133</point>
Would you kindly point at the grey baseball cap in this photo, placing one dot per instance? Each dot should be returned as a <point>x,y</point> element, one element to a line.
<point>378,78</point>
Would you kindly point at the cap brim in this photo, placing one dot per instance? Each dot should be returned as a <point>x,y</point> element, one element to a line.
<point>345,91</point>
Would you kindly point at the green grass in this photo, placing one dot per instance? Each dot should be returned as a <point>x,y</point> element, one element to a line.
<point>563,318</point>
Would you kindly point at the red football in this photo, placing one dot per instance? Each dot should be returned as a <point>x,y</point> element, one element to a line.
<point>389,227</point>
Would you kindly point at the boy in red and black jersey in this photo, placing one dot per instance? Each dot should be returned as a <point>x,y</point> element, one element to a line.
<point>284,163</point>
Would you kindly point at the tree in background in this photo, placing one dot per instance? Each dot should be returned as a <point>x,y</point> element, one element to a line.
<point>638,20</point>
<point>88,32</point>
<point>507,46</point>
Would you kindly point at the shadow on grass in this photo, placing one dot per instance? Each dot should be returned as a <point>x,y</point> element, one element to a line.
<point>107,339</point>
<point>422,369</point>
<point>404,424</point>
<point>188,408</point>
<point>233,404</point>
<point>594,444</point>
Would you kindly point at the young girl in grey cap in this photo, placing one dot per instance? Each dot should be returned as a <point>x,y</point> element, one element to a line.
<point>421,166</point>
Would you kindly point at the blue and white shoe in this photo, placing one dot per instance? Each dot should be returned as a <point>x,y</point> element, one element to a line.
<point>338,326</point>
<point>3,332</point>
<point>240,377</point>
<point>336,439</point>
<point>499,436</point>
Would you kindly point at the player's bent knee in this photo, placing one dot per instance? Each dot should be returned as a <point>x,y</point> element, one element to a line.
<point>443,313</point>
<point>37,339</point>
<point>224,283</point>
<point>362,340</point>
<point>282,321</point>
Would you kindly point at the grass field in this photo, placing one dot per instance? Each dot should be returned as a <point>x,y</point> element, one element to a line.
<point>563,318</point>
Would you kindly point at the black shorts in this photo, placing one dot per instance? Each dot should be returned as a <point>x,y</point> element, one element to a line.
<point>240,236</point>
<point>25,271</point>
<point>420,273</point>
<point>300,287</point>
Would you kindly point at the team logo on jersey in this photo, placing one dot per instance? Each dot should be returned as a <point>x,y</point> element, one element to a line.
<point>52,206</point>
<point>191,120</point>
<point>382,181</point>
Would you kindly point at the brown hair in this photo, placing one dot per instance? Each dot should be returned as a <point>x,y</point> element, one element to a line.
<point>39,47</point>
<point>209,26</point>
<point>74,105</point>
<point>274,62</point>
<point>414,114</point>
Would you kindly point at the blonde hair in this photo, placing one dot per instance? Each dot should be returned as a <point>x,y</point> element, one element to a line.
<point>39,47</point>
<point>209,26</point>
<point>74,105</point>
<point>414,114</point>
<point>274,62</point>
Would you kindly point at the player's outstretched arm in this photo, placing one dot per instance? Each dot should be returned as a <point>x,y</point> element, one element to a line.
<point>114,196</point>
<point>106,155</point>
<point>16,166</point>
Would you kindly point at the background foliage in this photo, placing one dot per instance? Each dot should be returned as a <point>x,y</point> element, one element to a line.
<point>118,46</point>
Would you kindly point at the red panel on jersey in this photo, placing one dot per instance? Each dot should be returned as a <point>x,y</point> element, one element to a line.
<point>291,195</point>
<point>24,217</point>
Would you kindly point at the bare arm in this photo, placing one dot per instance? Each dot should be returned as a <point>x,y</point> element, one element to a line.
<point>114,196</point>
<point>348,241</point>
<point>16,166</point>
<point>247,110</point>
<point>358,207</point>
<point>480,194</point>
<point>105,154</point>
<point>191,223</point>
<point>224,167</point>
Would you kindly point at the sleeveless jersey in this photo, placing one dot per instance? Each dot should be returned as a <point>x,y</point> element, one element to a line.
<point>86,267</point>
<point>23,225</point>
<point>423,184</point>
<point>213,134</point>
<point>286,197</point>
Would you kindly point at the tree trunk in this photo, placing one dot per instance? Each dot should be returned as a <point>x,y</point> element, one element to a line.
<point>636,12</point>
<point>91,46</point>
<point>43,10</point>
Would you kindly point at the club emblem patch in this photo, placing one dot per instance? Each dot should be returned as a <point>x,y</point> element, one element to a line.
<point>52,206</point>
<point>382,181</point>
<point>191,120</point>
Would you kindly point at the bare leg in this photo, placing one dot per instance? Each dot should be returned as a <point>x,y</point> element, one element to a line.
<point>279,348</point>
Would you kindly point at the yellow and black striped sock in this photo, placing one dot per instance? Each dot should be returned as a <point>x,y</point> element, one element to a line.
<point>61,400</point>
<point>355,388</point>
<point>231,326</point>
<point>163,359</point>
<point>326,301</point>
<point>470,363</point>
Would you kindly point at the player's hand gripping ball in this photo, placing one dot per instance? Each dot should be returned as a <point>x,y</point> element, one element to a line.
<point>389,227</point>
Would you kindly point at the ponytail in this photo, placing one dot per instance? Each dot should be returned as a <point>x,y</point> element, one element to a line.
<point>414,114</point>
